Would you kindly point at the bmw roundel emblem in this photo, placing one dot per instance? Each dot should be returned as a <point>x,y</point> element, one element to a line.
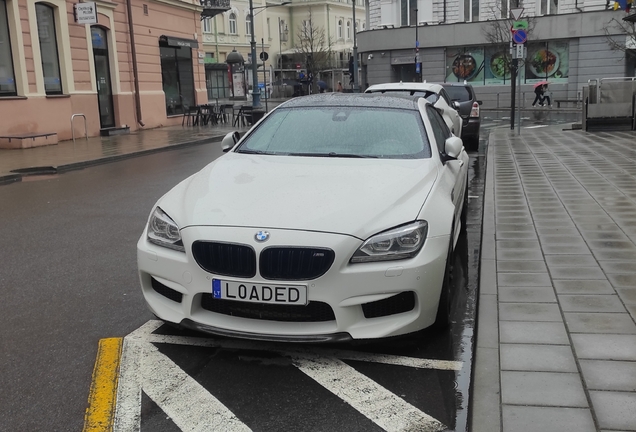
<point>261,236</point>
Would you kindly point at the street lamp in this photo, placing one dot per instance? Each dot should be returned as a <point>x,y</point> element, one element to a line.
<point>356,87</point>
<point>256,93</point>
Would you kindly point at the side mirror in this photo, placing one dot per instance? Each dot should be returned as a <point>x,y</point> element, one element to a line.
<point>456,105</point>
<point>229,141</point>
<point>453,147</point>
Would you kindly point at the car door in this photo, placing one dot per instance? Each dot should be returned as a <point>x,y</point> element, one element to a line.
<point>454,171</point>
<point>453,113</point>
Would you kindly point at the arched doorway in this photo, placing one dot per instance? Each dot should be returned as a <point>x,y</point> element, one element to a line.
<point>102,77</point>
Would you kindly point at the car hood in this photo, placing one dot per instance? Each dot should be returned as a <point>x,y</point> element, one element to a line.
<point>358,197</point>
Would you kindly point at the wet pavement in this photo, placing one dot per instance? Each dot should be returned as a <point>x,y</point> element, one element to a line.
<point>556,343</point>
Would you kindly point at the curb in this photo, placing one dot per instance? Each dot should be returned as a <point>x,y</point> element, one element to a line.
<point>16,175</point>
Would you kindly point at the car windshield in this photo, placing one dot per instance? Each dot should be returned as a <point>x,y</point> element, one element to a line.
<point>430,96</point>
<point>340,132</point>
<point>458,93</point>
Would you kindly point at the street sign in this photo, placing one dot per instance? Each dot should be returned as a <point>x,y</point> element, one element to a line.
<point>85,13</point>
<point>516,13</point>
<point>264,56</point>
<point>519,36</point>
<point>298,66</point>
<point>520,25</point>
<point>519,52</point>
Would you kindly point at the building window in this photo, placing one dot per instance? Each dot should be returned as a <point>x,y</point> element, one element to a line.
<point>363,25</point>
<point>339,29</point>
<point>206,25</point>
<point>269,30</point>
<point>177,77</point>
<point>407,12</point>
<point>471,10</point>
<point>7,77</point>
<point>348,30</point>
<point>248,25</point>
<point>48,49</point>
<point>549,7</point>
<point>233,23</point>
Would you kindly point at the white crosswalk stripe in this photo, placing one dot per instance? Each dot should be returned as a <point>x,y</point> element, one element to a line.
<point>193,408</point>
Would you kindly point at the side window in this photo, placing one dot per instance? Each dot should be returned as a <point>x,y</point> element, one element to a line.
<point>446,97</point>
<point>440,130</point>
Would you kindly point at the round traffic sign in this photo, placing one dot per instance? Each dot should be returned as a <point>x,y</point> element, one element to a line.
<point>519,36</point>
<point>264,56</point>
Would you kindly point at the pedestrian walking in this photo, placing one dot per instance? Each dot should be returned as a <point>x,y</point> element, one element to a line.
<point>339,89</point>
<point>538,95</point>
<point>546,96</point>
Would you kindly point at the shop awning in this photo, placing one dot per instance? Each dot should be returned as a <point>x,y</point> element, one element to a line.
<point>176,42</point>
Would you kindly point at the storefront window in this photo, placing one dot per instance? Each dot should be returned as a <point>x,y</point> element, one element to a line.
<point>7,77</point>
<point>178,78</point>
<point>48,49</point>
<point>491,65</point>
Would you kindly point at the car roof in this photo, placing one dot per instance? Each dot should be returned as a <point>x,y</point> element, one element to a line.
<point>354,99</point>
<point>406,86</point>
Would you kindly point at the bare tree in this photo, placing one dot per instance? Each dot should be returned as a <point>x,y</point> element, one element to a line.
<point>621,36</point>
<point>313,46</point>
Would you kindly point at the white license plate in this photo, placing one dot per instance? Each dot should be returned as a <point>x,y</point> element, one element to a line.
<point>259,293</point>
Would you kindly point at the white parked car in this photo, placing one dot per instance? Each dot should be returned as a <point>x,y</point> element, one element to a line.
<point>333,218</point>
<point>434,93</point>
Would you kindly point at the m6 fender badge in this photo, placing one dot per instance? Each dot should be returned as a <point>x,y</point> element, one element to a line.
<point>261,236</point>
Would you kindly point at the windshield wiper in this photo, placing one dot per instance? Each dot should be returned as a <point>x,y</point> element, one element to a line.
<point>261,152</point>
<point>332,154</point>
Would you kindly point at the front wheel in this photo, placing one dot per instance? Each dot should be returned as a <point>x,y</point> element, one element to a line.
<point>443,318</point>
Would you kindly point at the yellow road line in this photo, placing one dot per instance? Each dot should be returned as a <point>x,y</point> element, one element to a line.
<point>103,394</point>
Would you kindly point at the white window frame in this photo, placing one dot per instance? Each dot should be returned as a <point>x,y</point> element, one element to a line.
<point>248,22</point>
<point>339,28</point>
<point>232,23</point>
<point>348,29</point>
<point>206,25</point>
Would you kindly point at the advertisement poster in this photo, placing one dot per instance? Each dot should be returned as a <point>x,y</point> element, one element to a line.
<point>548,61</point>
<point>465,64</point>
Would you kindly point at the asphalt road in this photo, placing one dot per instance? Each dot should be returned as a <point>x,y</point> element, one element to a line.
<point>69,279</point>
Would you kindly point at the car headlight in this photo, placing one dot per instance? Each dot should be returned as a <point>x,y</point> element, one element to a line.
<point>395,244</point>
<point>163,231</point>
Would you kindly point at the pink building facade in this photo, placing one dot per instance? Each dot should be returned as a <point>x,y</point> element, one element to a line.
<point>52,67</point>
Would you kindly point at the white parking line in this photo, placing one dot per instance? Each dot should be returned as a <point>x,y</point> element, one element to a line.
<point>384,408</point>
<point>193,408</point>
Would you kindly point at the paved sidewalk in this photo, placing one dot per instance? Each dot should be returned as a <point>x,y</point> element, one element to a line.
<point>556,343</point>
<point>69,155</point>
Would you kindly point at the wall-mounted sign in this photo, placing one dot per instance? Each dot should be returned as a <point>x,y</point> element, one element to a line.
<point>85,13</point>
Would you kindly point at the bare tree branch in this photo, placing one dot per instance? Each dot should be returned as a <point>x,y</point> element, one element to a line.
<point>314,45</point>
<point>623,29</point>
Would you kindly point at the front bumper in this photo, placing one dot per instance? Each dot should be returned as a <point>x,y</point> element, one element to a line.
<point>344,288</point>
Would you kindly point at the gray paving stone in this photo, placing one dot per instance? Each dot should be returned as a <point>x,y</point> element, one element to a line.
<point>583,287</point>
<point>612,323</point>
<point>521,267</point>
<point>604,346</point>
<point>548,230</point>
<point>546,419</point>
<point>524,279</point>
<point>604,227</point>
<point>527,294</point>
<point>625,267</point>
<point>591,303</point>
<point>529,227</point>
<point>579,249</point>
<point>570,260</point>
<point>515,255</point>
<point>600,235</point>
<point>488,329</point>
<point>542,389</point>
<point>627,295</point>
<point>614,410</point>
<point>518,244</point>
<point>516,235</point>
<point>520,332</point>
<point>537,358</point>
<point>574,273</point>
<point>612,254</point>
<point>488,277</point>
<point>622,280</point>
<point>486,404</point>
<point>529,312</point>
<point>609,375</point>
<point>565,240</point>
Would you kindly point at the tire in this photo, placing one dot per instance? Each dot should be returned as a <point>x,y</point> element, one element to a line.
<point>443,319</point>
<point>472,143</point>
<point>464,214</point>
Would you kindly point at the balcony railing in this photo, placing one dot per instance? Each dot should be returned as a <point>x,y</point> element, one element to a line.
<point>214,7</point>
